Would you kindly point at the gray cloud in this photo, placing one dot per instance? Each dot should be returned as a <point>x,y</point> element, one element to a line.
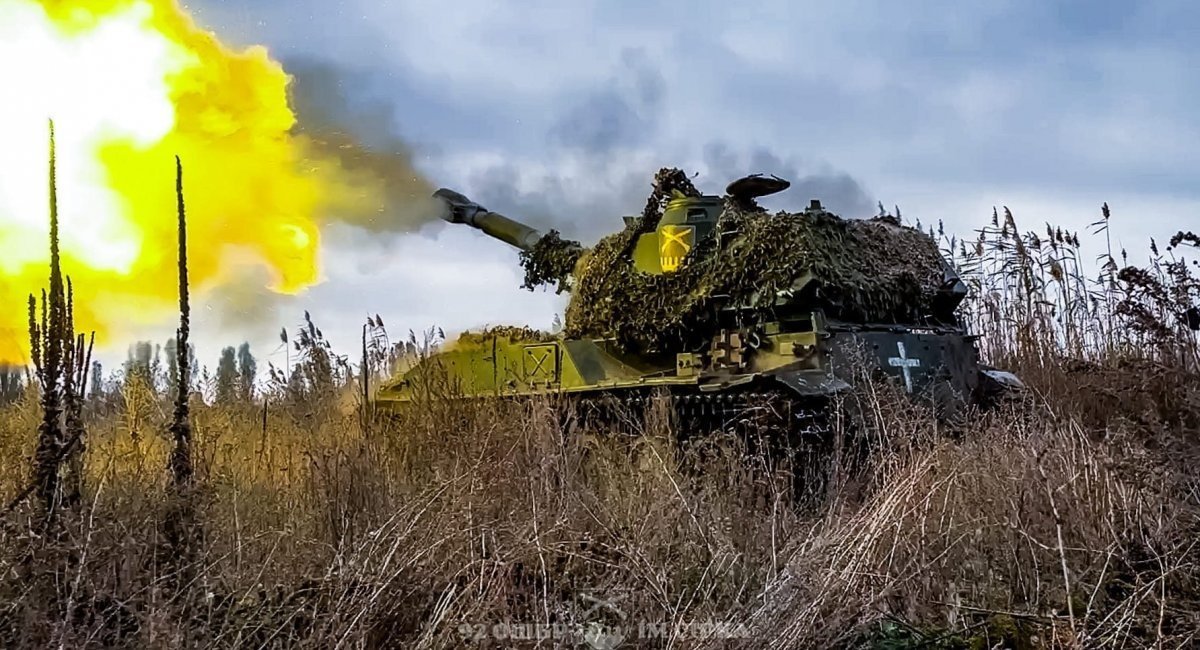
<point>625,112</point>
<point>601,138</point>
<point>562,120</point>
<point>587,201</point>
<point>593,139</point>
<point>839,192</point>
<point>898,96</point>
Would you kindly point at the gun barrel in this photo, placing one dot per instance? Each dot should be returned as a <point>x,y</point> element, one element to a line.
<point>460,209</point>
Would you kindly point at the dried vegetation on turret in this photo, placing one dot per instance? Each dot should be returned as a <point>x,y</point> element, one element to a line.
<point>865,270</point>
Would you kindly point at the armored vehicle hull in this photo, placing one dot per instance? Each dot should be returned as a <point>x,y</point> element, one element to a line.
<point>801,362</point>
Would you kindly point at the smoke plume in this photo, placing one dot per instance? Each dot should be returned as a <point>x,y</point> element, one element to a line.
<point>347,123</point>
<point>603,146</point>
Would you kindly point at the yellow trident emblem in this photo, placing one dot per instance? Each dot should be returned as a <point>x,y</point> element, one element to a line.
<point>674,242</point>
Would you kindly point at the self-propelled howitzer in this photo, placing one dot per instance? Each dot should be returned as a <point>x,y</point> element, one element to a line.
<point>715,300</point>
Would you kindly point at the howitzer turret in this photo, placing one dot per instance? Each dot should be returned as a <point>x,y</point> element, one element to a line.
<point>659,243</point>
<point>713,297</point>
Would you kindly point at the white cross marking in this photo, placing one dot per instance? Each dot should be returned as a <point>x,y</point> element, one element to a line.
<point>905,364</point>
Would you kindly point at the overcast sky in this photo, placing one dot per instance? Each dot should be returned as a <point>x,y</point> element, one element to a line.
<point>559,113</point>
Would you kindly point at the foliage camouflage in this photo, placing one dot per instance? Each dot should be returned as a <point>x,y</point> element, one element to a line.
<point>552,260</point>
<point>511,332</point>
<point>865,270</point>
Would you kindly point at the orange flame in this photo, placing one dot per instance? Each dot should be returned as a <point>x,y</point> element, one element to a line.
<point>129,85</point>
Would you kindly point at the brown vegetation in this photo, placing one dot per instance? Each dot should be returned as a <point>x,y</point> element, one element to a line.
<point>1067,520</point>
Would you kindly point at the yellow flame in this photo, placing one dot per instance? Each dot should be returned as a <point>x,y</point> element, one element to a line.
<point>129,85</point>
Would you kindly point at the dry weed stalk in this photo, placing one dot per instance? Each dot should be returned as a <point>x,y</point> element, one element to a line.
<point>180,527</point>
<point>60,367</point>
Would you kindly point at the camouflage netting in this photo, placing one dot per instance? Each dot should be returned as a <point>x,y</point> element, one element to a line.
<point>865,270</point>
<point>552,261</point>
<point>511,332</point>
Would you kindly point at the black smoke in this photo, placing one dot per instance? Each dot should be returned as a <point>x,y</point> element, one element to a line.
<point>358,128</point>
<point>625,112</point>
<point>838,192</point>
<point>600,133</point>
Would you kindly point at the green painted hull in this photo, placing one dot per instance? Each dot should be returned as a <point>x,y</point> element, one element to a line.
<point>803,358</point>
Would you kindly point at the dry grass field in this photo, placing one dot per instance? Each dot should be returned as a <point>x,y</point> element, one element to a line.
<point>1068,518</point>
